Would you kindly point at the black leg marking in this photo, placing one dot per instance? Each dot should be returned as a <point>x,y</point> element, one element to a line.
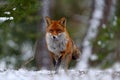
<point>54,62</point>
<point>58,64</point>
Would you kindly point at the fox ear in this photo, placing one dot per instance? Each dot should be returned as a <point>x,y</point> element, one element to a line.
<point>48,20</point>
<point>63,21</point>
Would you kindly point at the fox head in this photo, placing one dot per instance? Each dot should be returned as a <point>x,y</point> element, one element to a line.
<point>56,28</point>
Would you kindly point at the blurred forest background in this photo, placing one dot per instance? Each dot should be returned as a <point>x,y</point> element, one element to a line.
<point>94,26</point>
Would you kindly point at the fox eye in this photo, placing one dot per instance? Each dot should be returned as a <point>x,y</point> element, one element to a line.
<point>59,30</point>
<point>50,30</point>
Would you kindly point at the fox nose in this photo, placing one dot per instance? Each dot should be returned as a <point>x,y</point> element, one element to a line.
<point>54,37</point>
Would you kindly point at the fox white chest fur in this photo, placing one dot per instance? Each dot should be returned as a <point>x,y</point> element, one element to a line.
<point>56,45</point>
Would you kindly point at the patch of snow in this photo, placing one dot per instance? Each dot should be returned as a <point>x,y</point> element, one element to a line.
<point>7,62</point>
<point>2,65</point>
<point>111,35</point>
<point>14,9</point>
<point>12,44</point>
<point>93,57</point>
<point>92,74</point>
<point>115,21</point>
<point>116,66</point>
<point>2,19</point>
<point>6,12</point>
<point>104,26</point>
<point>99,42</point>
<point>26,50</point>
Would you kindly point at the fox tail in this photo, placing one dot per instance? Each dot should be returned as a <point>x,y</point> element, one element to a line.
<point>76,53</point>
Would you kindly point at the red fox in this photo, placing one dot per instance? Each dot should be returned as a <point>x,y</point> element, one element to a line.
<point>61,47</point>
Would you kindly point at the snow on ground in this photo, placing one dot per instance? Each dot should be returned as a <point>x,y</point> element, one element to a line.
<point>92,74</point>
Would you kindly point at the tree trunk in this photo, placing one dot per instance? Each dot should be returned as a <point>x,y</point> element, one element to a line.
<point>97,16</point>
<point>41,53</point>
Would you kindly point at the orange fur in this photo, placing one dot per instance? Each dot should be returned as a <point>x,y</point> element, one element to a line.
<point>61,47</point>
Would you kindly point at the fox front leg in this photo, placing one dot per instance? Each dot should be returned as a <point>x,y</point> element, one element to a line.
<point>57,65</point>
